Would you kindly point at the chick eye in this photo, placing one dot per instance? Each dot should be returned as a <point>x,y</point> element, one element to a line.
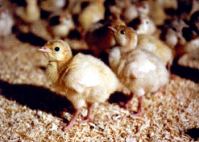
<point>57,49</point>
<point>122,32</point>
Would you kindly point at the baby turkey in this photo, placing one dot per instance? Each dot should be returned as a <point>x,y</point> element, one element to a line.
<point>127,37</point>
<point>84,79</point>
<point>30,13</point>
<point>138,69</point>
<point>60,25</point>
<point>91,14</point>
<point>6,21</point>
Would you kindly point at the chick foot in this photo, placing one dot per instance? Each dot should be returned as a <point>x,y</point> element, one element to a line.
<point>138,112</point>
<point>73,120</point>
<point>89,116</point>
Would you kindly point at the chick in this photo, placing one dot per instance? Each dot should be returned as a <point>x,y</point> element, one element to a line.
<point>91,14</point>
<point>52,5</point>
<point>157,47</point>
<point>143,25</point>
<point>139,70</point>
<point>132,11</point>
<point>99,38</point>
<point>30,13</point>
<point>61,24</point>
<point>6,22</point>
<point>84,79</point>
<point>157,13</point>
<point>127,37</point>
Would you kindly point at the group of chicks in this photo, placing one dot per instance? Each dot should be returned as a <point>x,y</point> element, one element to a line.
<point>128,32</point>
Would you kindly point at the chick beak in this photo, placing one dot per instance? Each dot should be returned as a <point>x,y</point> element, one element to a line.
<point>112,29</point>
<point>44,49</point>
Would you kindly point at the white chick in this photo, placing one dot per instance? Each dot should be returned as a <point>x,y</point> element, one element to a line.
<point>91,14</point>
<point>127,37</point>
<point>132,11</point>
<point>61,25</point>
<point>6,23</point>
<point>157,47</point>
<point>192,45</point>
<point>143,25</point>
<point>171,38</point>
<point>84,79</point>
<point>52,5</point>
<point>139,70</point>
<point>30,13</point>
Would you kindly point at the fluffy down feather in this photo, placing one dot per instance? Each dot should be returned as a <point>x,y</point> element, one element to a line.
<point>83,79</point>
<point>91,78</point>
<point>128,39</point>
<point>139,70</point>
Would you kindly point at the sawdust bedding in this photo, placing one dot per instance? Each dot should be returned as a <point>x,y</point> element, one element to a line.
<point>30,110</point>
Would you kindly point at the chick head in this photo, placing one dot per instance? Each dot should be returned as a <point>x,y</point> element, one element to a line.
<point>57,50</point>
<point>125,36</point>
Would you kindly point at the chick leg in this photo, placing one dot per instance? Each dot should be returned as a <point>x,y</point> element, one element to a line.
<point>78,104</point>
<point>73,120</point>
<point>89,116</point>
<point>139,108</point>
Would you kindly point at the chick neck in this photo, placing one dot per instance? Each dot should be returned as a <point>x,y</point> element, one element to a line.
<point>131,44</point>
<point>55,69</point>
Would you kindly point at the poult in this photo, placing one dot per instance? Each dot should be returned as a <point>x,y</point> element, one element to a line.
<point>30,13</point>
<point>91,14</point>
<point>84,79</point>
<point>52,5</point>
<point>6,22</point>
<point>61,24</point>
<point>138,69</point>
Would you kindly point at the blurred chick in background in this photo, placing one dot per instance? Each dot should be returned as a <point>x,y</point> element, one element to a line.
<point>127,37</point>
<point>99,38</point>
<point>84,79</point>
<point>92,13</point>
<point>61,24</point>
<point>143,25</point>
<point>6,20</point>
<point>30,13</point>
<point>52,5</point>
<point>138,69</point>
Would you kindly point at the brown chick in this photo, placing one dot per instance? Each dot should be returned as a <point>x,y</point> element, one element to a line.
<point>126,36</point>
<point>84,79</point>
<point>99,38</point>
<point>30,13</point>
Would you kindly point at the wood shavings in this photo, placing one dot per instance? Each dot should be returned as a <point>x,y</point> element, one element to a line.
<point>167,114</point>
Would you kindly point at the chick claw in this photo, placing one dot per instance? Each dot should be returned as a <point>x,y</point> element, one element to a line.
<point>73,120</point>
<point>139,108</point>
<point>88,118</point>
